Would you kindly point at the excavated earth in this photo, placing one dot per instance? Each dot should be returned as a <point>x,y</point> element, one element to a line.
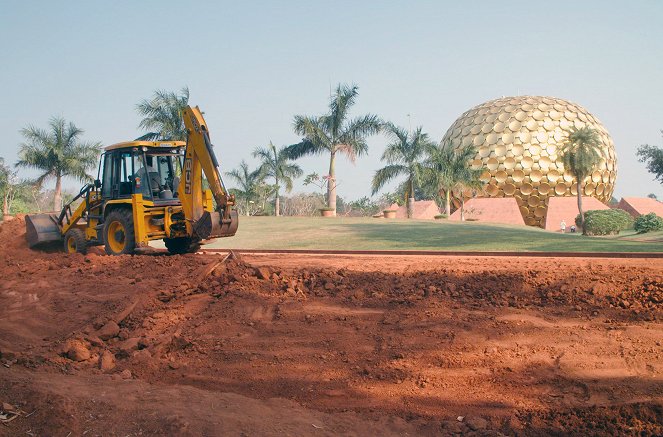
<point>314,345</point>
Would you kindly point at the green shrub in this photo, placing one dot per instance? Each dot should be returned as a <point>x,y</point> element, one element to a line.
<point>605,221</point>
<point>647,223</point>
<point>440,216</point>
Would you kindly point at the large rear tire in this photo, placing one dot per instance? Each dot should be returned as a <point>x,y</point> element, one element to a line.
<point>182,245</point>
<point>74,241</point>
<point>119,236</point>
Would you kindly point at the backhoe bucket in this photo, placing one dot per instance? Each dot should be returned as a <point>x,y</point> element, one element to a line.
<point>224,228</point>
<point>42,229</point>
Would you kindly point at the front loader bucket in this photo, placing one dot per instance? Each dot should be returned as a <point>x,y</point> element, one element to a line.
<point>42,229</point>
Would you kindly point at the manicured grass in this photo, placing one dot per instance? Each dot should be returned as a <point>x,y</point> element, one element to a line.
<point>379,234</point>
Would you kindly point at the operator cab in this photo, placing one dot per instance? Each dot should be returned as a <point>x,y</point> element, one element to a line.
<point>150,168</point>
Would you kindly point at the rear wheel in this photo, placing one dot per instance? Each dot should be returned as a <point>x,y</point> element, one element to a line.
<point>119,232</point>
<point>74,241</point>
<point>182,245</point>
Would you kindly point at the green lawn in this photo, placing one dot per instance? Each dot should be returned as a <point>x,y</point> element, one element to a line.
<point>380,234</point>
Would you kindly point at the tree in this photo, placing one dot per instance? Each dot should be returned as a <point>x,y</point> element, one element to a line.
<point>249,190</point>
<point>652,196</point>
<point>56,153</point>
<point>162,116</point>
<point>275,165</point>
<point>404,156</point>
<point>653,156</point>
<point>334,133</point>
<point>580,156</point>
<point>7,191</point>
<point>448,169</point>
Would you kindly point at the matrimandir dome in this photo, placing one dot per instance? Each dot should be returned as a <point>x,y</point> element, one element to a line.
<point>518,140</point>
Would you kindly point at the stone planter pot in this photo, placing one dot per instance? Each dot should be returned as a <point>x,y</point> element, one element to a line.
<point>389,214</point>
<point>327,212</point>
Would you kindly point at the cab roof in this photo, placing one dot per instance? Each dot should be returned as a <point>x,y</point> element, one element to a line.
<point>129,144</point>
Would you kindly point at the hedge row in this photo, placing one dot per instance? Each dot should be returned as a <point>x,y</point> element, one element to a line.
<point>647,223</point>
<point>605,221</point>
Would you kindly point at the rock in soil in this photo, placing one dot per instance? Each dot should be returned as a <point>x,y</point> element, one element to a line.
<point>108,331</point>
<point>78,352</point>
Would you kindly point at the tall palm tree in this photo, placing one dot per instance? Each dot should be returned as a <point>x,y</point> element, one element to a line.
<point>448,169</point>
<point>334,133</point>
<point>162,116</point>
<point>274,164</point>
<point>580,156</point>
<point>404,156</point>
<point>56,153</point>
<point>249,184</point>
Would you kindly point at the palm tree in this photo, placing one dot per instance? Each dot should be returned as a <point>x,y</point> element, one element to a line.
<point>334,133</point>
<point>57,153</point>
<point>275,164</point>
<point>249,184</point>
<point>580,156</point>
<point>404,156</point>
<point>448,169</point>
<point>162,116</point>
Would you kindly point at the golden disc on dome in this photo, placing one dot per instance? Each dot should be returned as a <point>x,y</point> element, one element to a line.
<point>565,124</point>
<point>535,175</point>
<point>499,127</point>
<point>500,150</point>
<point>540,211</point>
<point>558,136</point>
<point>509,163</point>
<point>476,164</point>
<point>527,162</point>
<point>478,120</point>
<point>521,115</point>
<point>524,210</point>
<point>600,188</point>
<point>555,115</point>
<point>514,126</point>
<point>507,138</point>
<point>596,176</point>
<point>542,136</point>
<point>538,115</point>
<point>568,177</point>
<point>495,109</point>
<point>544,162</point>
<point>466,130</point>
<point>527,107</point>
<point>475,129</point>
<point>526,188</point>
<point>503,117</point>
<point>589,188</point>
<point>548,125</point>
<point>492,138</point>
<point>560,189</point>
<point>553,175</point>
<point>574,189</point>
<point>606,177</point>
<point>491,118</point>
<point>544,188</point>
<point>492,164</point>
<point>518,176</point>
<point>582,116</point>
<point>559,107</point>
<point>533,201</point>
<point>484,151</point>
<point>570,115</point>
<point>467,141</point>
<point>492,190</point>
<point>479,140</point>
<point>509,189</point>
<point>485,176</point>
<point>517,149</point>
<point>532,125</point>
<point>534,149</point>
<point>579,124</point>
<point>486,128</point>
<point>525,136</point>
<point>501,176</point>
<point>510,107</point>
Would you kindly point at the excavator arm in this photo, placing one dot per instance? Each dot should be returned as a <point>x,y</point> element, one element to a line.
<point>199,158</point>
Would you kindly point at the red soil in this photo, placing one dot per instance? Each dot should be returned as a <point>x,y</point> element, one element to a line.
<point>314,345</point>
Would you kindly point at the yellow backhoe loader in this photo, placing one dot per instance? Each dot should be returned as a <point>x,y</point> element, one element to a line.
<point>144,191</point>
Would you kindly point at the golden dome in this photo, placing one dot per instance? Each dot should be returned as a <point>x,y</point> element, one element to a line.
<point>518,141</point>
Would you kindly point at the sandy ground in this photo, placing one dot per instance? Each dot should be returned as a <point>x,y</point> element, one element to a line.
<point>313,345</point>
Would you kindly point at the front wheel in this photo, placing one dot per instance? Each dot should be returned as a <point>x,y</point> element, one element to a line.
<point>74,241</point>
<point>182,245</point>
<point>119,232</point>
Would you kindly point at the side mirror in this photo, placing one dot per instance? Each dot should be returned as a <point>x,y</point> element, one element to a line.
<point>97,183</point>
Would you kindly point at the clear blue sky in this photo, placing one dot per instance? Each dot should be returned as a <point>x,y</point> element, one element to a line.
<point>252,65</point>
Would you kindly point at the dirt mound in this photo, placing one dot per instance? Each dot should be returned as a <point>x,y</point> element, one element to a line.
<point>364,345</point>
<point>12,234</point>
